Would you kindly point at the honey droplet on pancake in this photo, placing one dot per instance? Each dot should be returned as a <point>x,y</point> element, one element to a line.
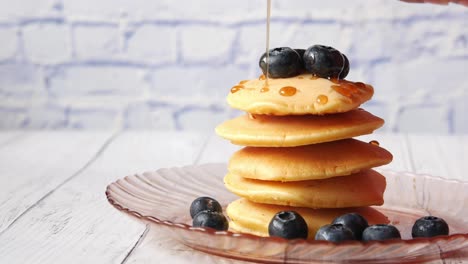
<point>342,90</point>
<point>262,77</point>
<point>237,88</point>
<point>322,99</point>
<point>351,87</point>
<point>264,90</point>
<point>243,81</point>
<point>314,77</point>
<point>300,77</point>
<point>347,88</point>
<point>360,85</point>
<point>288,91</point>
<point>374,142</point>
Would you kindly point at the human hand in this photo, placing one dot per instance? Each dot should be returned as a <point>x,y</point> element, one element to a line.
<point>439,2</point>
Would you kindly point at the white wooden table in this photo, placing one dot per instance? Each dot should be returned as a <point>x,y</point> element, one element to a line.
<point>53,208</point>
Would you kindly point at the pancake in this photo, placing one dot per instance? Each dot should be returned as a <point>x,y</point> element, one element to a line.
<point>311,162</point>
<point>253,218</point>
<point>364,188</point>
<point>290,131</point>
<point>300,95</point>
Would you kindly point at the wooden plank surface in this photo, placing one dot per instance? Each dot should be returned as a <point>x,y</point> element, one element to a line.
<point>217,150</point>
<point>36,163</point>
<point>441,156</point>
<point>7,137</point>
<point>157,248</point>
<point>75,223</point>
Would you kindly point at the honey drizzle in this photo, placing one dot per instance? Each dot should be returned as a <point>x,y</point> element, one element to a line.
<point>237,88</point>
<point>288,91</point>
<point>342,90</point>
<point>322,99</point>
<point>360,85</point>
<point>347,88</point>
<point>243,81</point>
<point>374,142</point>
<point>264,90</point>
<point>267,42</point>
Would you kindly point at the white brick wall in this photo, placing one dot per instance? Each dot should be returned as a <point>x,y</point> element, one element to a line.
<point>168,65</point>
<point>20,82</point>
<point>201,84</point>
<point>24,10</point>
<point>150,115</point>
<point>153,44</point>
<point>9,43</point>
<point>46,43</point>
<point>99,42</point>
<point>206,44</point>
<point>96,81</point>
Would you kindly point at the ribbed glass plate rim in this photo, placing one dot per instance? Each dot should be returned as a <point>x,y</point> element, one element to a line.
<point>212,232</point>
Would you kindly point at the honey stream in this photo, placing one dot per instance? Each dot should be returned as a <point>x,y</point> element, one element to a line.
<point>267,42</point>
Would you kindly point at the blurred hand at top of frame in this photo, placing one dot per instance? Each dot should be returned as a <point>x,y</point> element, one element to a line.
<point>439,2</point>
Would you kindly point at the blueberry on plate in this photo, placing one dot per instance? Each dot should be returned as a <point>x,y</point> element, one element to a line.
<point>326,62</point>
<point>354,221</point>
<point>283,62</point>
<point>380,232</point>
<point>334,233</point>
<point>204,204</point>
<point>429,226</point>
<point>300,52</point>
<point>215,220</point>
<point>289,225</point>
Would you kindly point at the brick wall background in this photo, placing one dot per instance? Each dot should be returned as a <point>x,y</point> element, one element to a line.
<point>163,64</point>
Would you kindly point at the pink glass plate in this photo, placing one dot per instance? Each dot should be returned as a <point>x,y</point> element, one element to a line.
<point>163,198</point>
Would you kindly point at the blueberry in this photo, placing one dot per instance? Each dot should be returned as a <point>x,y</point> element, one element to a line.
<point>334,233</point>
<point>355,222</point>
<point>210,219</point>
<point>429,226</point>
<point>300,52</point>
<point>284,62</point>
<point>204,203</point>
<point>326,62</point>
<point>289,225</point>
<point>380,232</point>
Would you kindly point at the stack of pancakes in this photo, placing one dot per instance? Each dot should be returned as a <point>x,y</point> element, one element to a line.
<point>300,154</point>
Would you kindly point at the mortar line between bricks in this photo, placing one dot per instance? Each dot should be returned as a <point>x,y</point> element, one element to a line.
<point>74,175</point>
<point>7,25</point>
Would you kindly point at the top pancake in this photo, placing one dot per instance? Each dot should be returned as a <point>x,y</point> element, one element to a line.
<point>309,95</point>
